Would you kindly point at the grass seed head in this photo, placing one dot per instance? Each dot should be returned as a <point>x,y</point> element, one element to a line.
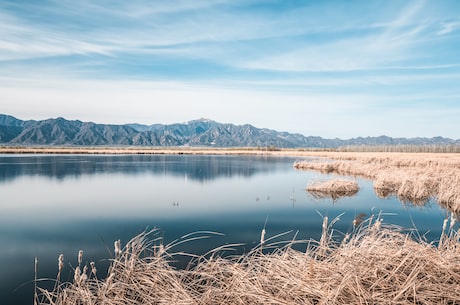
<point>93,268</point>
<point>262,237</point>
<point>76,276</point>
<point>61,262</point>
<point>80,257</point>
<point>117,245</point>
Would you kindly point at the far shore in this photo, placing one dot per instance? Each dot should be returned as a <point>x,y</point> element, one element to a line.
<point>262,151</point>
<point>158,150</point>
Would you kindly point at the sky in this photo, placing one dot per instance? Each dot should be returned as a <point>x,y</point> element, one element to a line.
<point>323,68</point>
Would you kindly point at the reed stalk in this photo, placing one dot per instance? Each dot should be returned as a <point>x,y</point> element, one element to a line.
<point>373,264</point>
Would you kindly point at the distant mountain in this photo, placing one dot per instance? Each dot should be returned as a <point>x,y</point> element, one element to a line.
<point>202,132</point>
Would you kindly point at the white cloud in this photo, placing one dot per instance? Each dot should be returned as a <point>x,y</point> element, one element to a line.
<point>20,40</point>
<point>153,102</point>
<point>363,53</point>
<point>448,27</point>
<point>230,36</point>
<point>324,114</point>
<point>386,45</point>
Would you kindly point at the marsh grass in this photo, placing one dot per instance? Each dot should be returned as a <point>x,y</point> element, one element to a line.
<point>373,264</point>
<point>411,177</point>
<point>335,188</point>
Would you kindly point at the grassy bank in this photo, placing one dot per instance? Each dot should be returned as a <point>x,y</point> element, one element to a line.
<point>375,264</point>
<point>410,177</point>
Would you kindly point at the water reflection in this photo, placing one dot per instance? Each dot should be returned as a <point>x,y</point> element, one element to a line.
<point>385,193</point>
<point>335,196</point>
<point>195,167</point>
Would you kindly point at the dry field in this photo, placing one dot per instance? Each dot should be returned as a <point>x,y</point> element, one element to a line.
<point>375,264</point>
<point>415,177</point>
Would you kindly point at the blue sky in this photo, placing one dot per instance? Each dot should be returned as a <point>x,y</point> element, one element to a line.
<point>324,68</point>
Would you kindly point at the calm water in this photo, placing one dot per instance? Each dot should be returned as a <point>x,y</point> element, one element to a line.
<point>52,204</point>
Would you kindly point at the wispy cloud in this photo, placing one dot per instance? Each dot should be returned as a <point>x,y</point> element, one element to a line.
<point>448,27</point>
<point>19,40</point>
<point>85,27</point>
<point>222,32</point>
<point>385,44</point>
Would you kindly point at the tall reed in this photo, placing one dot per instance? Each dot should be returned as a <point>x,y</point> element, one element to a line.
<point>373,264</point>
<point>411,177</point>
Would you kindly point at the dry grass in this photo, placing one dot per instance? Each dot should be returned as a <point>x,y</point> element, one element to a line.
<point>375,264</point>
<point>154,150</point>
<point>335,189</point>
<point>411,177</point>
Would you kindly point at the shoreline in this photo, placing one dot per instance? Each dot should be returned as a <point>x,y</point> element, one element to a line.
<point>158,151</point>
<point>282,152</point>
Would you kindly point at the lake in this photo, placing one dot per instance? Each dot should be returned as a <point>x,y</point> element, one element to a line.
<point>53,204</point>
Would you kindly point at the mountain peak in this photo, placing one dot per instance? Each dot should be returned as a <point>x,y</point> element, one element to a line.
<point>200,120</point>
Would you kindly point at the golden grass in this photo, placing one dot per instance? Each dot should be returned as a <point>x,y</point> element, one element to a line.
<point>411,177</point>
<point>335,188</point>
<point>375,264</point>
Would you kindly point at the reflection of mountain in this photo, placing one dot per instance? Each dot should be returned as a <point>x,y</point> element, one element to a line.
<point>201,168</point>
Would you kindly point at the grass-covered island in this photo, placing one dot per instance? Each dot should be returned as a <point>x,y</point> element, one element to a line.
<point>375,263</point>
<point>334,188</point>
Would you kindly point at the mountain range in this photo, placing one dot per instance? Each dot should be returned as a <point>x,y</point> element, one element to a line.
<point>202,132</point>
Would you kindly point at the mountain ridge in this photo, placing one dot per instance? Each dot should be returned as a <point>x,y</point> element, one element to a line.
<point>200,132</point>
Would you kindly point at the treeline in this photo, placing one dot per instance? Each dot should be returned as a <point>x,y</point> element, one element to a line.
<point>453,148</point>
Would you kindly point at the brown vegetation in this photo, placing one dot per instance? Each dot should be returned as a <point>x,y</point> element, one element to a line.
<point>335,189</point>
<point>411,177</point>
<point>433,148</point>
<point>375,264</point>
